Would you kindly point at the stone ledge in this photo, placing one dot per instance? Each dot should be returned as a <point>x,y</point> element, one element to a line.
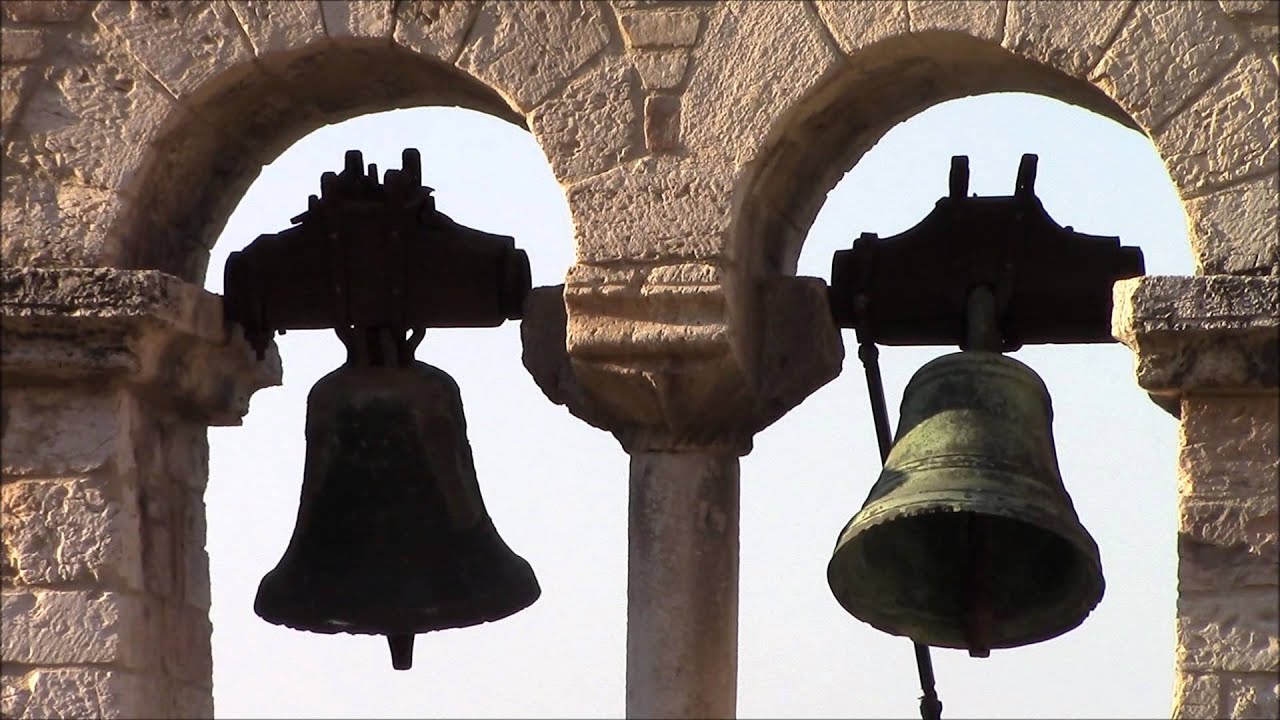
<point>1211,334</point>
<point>162,335</point>
<point>659,356</point>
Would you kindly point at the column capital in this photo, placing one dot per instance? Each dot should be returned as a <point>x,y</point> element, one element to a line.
<point>163,336</point>
<point>1206,334</point>
<point>681,356</point>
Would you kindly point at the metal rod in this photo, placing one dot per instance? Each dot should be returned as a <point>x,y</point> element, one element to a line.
<point>930,705</point>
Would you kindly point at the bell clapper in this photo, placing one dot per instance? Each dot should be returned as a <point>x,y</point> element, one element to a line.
<point>401,650</point>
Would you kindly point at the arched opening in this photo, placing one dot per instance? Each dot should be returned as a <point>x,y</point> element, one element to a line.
<point>552,484</point>
<point>810,472</point>
<point>885,84</point>
<point>212,151</point>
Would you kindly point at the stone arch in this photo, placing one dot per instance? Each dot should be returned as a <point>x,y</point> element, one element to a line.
<point>1181,73</point>
<point>155,117</point>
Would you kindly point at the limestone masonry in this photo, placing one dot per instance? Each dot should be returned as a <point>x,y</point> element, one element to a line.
<point>696,142</point>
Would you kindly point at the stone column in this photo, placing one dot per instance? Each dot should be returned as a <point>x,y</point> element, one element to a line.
<point>110,380</point>
<point>682,585</point>
<point>1208,350</point>
<point>684,380</point>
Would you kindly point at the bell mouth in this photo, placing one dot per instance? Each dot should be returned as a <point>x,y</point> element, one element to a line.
<point>472,578</point>
<point>912,573</point>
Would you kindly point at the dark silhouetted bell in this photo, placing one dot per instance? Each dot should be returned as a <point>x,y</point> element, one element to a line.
<point>969,539</point>
<point>392,536</point>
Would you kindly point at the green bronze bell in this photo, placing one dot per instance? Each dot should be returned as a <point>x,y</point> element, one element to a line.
<point>392,536</point>
<point>969,539</point>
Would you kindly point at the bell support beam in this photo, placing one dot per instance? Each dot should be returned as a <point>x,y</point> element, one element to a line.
<point>111,379</point>
<point>666,359</point>
<point>1207,349</point>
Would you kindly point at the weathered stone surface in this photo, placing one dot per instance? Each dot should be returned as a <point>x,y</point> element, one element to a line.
<point>1209,333</point>
<point>1229,133</point>
<point>662,123</point>
<point>50,627</point>
<point>62,531</point>
<point>84,692</point>
<point>527,51</point>
<point>1248,522</point>
<point>15,82</point>
<point>1228,447</point>
<point>274,26</point>
<point>435,28</point>
<point>682,580</point>
<point>52,11</point>
<point>1164,57</point>
<point>92,120</point>
<point>1234,230</point>
<point>51,432</point>
<point>183,45</point>
<point>1253,696</point>
<point>649,209</point>
<point>856,25</point>
<point>1068,36</point>
<point>358,18</point>
<point>663,28</point>
<point>592,125</point>
<point>661,69</point>
<point>983,19</point>
<point>21,45</point>
<point>167,338</point>
<point>1195,696</point>
<point>737,90</point>
<point>654,352</point>
<point>49,223</point>
<point>1235,631</point>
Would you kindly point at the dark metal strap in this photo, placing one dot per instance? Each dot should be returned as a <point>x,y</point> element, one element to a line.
<point>869,354</point>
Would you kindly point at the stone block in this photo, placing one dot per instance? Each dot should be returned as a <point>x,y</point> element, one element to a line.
<point>1233,631</point>
<point>91,121</point>
<point>982,19</point>
<point>358,18</point>
<point>1249,522</point>
<point>1227,134</point>
<point>274,27</point>
<point>591,126</point>
<point>21,45</point>
<point>73,627</point>
<point>1204,566</point>
<point>15,84</point>
<point>45,11</point>
<point>85,692</point>
<point>435,28</point>
<point>1164,57</point>
<point>50,432</point>
<point>1234,229</point>
<point>1228,449</point>
<point>856,25</point>
<point>1196,696</point>
<point>661,69</point>
<point>662,123</point>
<point>527,51</point>
<point>68,531</point>
<point>738,91</point>
<point>1068,36</point>
<point>652,209</point>
<point>660,29</point>
<point>50,223</point>
<point>192,702</point>
<point>185,46</point>
<point>1253,696</point>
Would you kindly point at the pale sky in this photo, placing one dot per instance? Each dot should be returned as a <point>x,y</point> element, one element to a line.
<point>557,488</point>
